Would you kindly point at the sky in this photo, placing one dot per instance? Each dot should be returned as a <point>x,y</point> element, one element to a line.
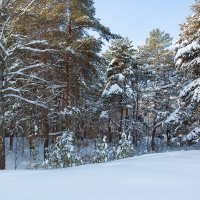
<point>136,18</point>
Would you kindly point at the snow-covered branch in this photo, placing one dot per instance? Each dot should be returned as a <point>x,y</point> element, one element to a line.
<point>36,103</point>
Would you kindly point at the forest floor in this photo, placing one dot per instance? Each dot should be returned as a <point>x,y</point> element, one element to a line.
<point>163,176</point>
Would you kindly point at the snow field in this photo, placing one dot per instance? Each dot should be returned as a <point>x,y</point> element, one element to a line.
<point>166,176</point>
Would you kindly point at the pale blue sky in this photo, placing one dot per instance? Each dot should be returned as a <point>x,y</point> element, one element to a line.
<point>135,18</point>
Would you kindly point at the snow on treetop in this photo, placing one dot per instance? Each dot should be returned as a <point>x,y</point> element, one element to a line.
<point>104,114</point>
<point>121,77</point>
<point>187,49</point>
<point>113,89</point>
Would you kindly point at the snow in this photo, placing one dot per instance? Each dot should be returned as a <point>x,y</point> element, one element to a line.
<point>173,116</point>
<point>121,77</point>
<point>36,42</point>
<point>36,103</point>
<point>30,67</point>
<point>194,88</point>
<point>12,89</point>
<point>179,62</point>
<point>167,176</point>
<point>114,89</point>
<point>36,50</point>
<point>129,91</point>
<point>194,134</point>
<point>104,114</point>
<point>36,129</point>
<point>113,61</point>
<point>187,49</point>
<point>4,50</point>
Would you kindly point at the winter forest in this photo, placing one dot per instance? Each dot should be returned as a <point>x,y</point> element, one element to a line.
<point>65,102</point>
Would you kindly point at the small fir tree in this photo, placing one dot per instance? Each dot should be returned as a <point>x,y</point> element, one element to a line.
<point>125,147</point>
<point>101,154</point>
<point>63,154</point>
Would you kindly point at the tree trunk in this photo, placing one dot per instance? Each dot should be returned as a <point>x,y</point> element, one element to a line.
<point>168,136</point>
<point>11,143</point>
<point>68,87</point>
<point>109,131</point>
<point>2,150</point>
<point>2,111</point>
<point>31,147</point>
<point>153,135</point>
<point>121,120</point>
<point>46,133</point>
<point>69,37</point>
<point>121,116</point>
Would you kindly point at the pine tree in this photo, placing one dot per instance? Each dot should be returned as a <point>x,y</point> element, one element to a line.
<point>160,78</point>
<point>69,58</point>
<point>19,65</point>
<point>118,95</point>
<point>184,121</point>
<point>73,78</point>
<point>156,51</point>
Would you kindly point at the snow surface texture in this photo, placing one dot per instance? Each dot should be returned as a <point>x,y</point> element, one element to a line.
<point>167,176</point>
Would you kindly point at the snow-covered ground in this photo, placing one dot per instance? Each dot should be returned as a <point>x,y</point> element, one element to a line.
<point>166,176</point>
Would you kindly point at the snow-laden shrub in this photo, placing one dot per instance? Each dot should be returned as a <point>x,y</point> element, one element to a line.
<point>101,154</point>
<point>63,153</point>
<point>125,147</point>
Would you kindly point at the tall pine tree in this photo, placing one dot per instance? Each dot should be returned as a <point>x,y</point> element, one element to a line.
<point>184,121</point>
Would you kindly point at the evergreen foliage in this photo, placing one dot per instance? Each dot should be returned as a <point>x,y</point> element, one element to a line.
<point>125,147</point>
<point>156,51</point>
<point>101,154</point>
<point>63,154</point>
<point>185,119</point>
<point>118,94</point>
<point>53,76</point>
